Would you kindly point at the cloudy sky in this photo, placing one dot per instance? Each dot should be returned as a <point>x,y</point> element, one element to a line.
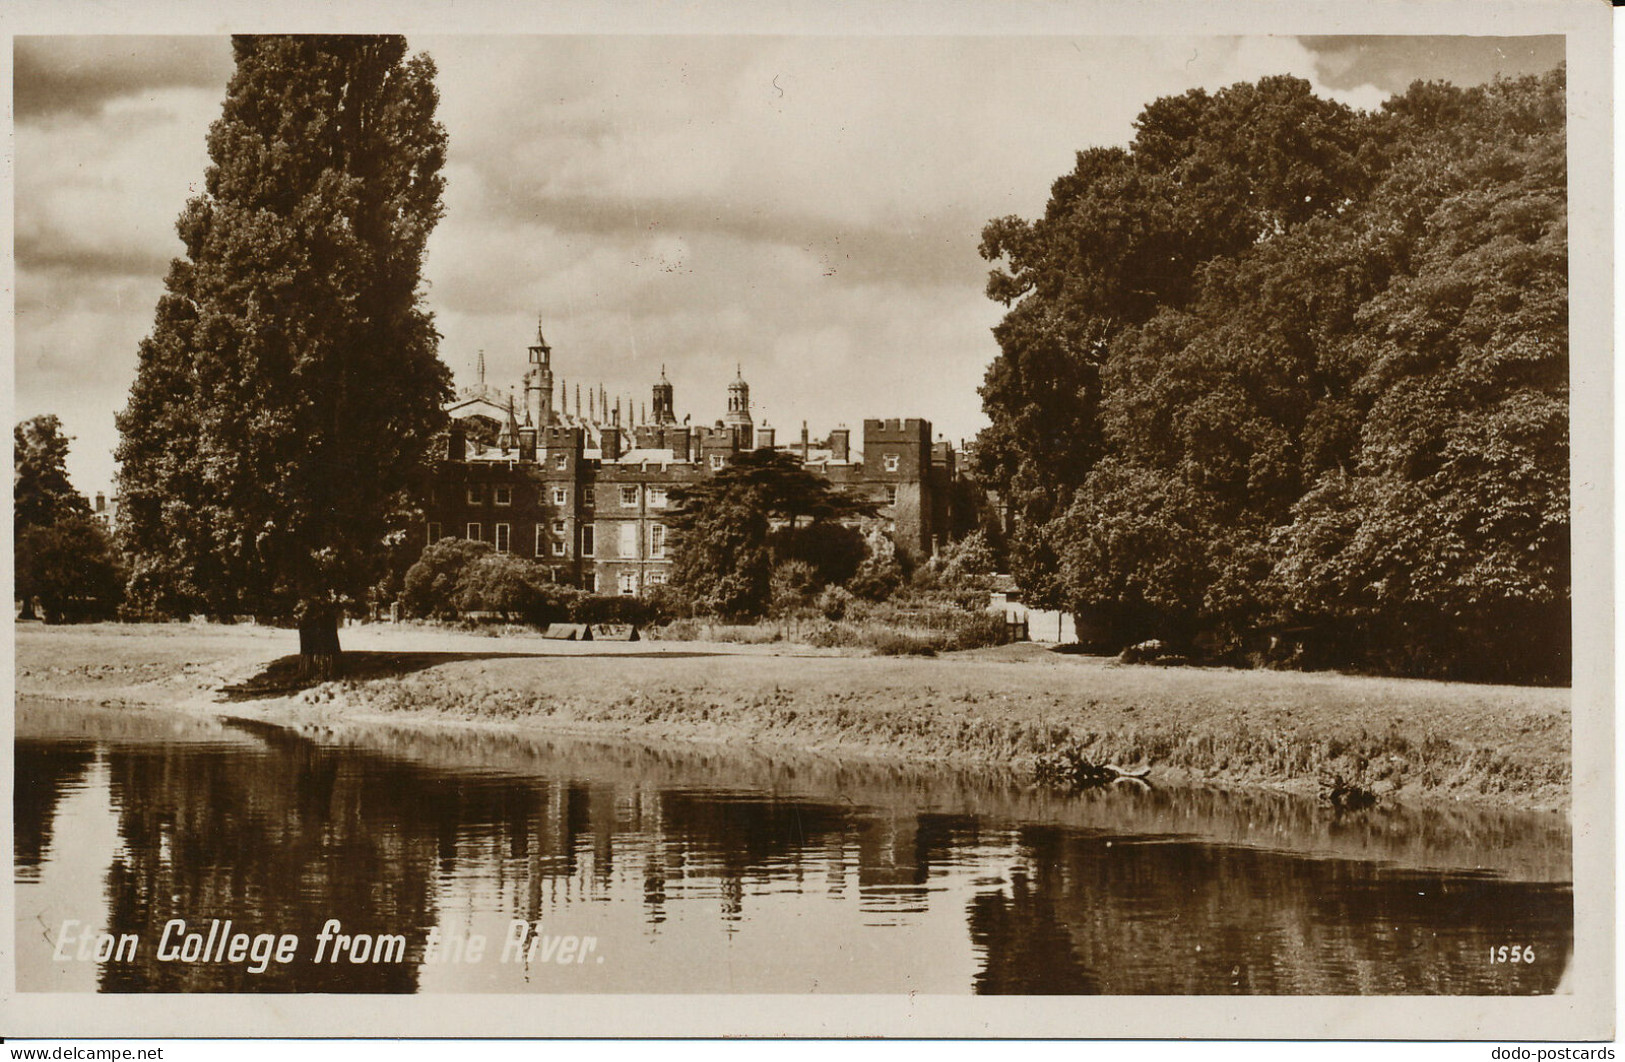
<point>806,208</point>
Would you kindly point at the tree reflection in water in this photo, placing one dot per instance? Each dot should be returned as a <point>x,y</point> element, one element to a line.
<point>281,833</point>
<point>1135,916</point>
<point>43,775</point>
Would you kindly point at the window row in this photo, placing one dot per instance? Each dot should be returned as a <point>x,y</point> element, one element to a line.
<point>551,539</point>
<point>503,495</point>
<point>656,496</point>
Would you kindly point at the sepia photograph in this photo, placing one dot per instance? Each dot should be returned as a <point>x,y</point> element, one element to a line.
<point>865,516</point>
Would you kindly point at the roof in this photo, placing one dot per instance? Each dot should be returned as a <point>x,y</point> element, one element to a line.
<point>477,405</point>
<point>650,456</point>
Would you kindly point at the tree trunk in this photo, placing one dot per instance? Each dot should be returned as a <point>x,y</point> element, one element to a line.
<point>28,608</point>
<point>320,657</point>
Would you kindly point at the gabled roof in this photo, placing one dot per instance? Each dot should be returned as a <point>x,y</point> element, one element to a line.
<point>477,405</point>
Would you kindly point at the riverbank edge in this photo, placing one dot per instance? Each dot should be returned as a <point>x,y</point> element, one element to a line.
<point>795,724</point>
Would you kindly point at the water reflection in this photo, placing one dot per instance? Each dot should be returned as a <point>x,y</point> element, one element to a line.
<point>41,779</point>
<point>1135,916</point>
<point>711,874</point>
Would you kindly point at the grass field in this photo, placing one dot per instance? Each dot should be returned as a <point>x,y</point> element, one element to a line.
<point>1408,740</point>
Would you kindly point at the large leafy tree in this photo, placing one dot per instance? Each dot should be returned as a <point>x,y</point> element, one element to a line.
<point>40,491</point>
<point>287,395</point>
<point>1128,235</point>
<point>725,543</point>
<point>1449,521</point>
<point>71,567</point>
<point>62,554</point>
<point>1284,366</point>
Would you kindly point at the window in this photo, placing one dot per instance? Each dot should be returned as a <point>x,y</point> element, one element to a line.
<point>558,527</point>
<point>891,494</point>
<point>587,544</point>
<point>474,496</point>
<point>561,461</point>
<point>541,540</point>
<point>716,462</point>
<point>473,532</point>
<point>657,540</point>
<point>629,582</point>
<point>502,496</point>
<point>561,496</point>
<point>558,549</point>
<point>629,497</point>
<point>591,583</point>
<point>657,497</point>
<point>434,533</point>
<point>629,540</point>
<point>502,541</point>
<point>891,462</point>
<point>657,578</point>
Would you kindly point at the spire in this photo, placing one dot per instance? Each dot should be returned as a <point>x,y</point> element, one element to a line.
<point>479,368</point>
<point>509,439</point>
<point>541,354</point>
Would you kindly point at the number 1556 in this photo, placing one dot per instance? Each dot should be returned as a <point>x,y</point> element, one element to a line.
<point>1516,953</point>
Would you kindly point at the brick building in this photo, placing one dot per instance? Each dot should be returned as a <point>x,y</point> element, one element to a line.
<point>586,491</point>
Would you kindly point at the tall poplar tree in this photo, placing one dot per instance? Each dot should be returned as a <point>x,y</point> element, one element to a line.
<point>287,396</point>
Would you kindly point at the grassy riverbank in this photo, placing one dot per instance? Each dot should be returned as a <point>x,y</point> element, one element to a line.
<point>1409,740</point>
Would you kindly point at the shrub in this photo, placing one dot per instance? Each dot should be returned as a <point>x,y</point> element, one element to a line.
<point>834,601</point>
<point>511,587</point>
<point>793,586</point>
<point>610,608</point>
<point>667,604</point>
<point>978,630</point>
<point>72,569</point>
<point>431,584</point>
<point>832,551</point>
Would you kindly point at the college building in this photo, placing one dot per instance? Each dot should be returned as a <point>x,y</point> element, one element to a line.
<point>586,491</point>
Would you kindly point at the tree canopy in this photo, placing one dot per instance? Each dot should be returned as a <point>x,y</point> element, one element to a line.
<point>287,395</point>
<point>63,556</point>
<point>40,491</point>
<point>1285,366</point>
<point>733,528</point>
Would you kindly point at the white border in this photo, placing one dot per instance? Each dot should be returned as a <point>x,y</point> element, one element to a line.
<point>1587,1014</point>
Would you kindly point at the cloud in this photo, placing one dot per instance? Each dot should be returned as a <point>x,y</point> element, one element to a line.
<point>81,75</point>
<point>1392,63</point>
<point>806,207</point>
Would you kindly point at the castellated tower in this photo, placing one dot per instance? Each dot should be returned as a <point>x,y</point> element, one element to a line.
<point>738,416</point>
<point>663,408</point>
<point>539,381</point>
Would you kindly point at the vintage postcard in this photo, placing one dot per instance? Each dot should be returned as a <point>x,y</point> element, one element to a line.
<point>836,521</point>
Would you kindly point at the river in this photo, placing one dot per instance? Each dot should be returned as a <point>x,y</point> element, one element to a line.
<point>473,860</point>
